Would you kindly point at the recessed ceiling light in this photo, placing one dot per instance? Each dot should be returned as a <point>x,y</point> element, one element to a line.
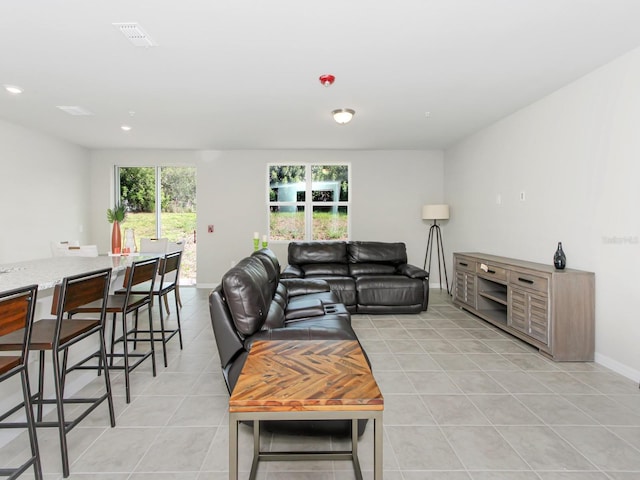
<point>13,89</point>
<point>125,128</point>
<point>75,110</point>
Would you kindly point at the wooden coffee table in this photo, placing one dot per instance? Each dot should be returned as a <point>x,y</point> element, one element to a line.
<point>305,380</point>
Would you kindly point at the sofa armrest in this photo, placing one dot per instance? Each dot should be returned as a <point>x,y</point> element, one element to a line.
<point>412,271</point>
<point>292,271</point>
<point>304,286</point>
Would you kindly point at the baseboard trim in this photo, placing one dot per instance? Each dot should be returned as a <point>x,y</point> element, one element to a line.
<point>207,285</point>
<point>617,367</point>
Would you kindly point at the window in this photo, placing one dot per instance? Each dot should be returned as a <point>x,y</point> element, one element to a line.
<point>308,202</point>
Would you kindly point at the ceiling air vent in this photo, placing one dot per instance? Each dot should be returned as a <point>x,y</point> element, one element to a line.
<point>135,34</point>
<point>75,110</point>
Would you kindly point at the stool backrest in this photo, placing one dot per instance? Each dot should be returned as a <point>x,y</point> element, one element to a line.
<point>17,308</point>
<point>82,289</point>
<point>171,262</point>
<point>143,271</point>
<point>78,291</point>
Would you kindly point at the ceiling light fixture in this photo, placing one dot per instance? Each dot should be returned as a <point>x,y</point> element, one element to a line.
<point>125,128</point>
<point>75,110</point>
<point>13,89</point>
<point>343,115</point>
<point>327,80</point>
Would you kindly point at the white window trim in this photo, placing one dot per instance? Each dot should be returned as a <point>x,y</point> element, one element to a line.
<point>308,204</point>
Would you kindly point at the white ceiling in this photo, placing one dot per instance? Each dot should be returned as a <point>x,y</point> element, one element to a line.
<point>243,74</point>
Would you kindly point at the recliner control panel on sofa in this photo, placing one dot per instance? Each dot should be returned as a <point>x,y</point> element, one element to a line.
<point>367,277</point>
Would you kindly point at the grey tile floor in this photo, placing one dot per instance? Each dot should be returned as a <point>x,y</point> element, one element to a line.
<point>463,401</point>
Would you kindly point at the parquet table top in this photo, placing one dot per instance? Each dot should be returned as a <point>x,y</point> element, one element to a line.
<point>308,375</point>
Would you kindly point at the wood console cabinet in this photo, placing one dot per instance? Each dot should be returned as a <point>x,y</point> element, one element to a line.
<point>553,310</point>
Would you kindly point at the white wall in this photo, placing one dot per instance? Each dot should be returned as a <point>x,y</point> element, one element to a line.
<point>388,191</point>
<point>44,193</point>
<point>576,155</point>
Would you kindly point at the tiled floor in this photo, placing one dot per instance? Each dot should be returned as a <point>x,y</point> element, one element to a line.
<point>463,401</point>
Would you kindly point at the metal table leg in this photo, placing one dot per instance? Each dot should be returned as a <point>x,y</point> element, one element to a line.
<point>377,446</point>
<point>233,447</point>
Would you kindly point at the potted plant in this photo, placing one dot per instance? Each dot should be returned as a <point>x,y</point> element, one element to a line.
<point>116,216</point>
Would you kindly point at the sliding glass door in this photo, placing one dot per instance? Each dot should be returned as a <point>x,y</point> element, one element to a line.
<point>161,202</point>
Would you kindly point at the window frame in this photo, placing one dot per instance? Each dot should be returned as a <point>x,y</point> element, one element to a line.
<point>308,203</point>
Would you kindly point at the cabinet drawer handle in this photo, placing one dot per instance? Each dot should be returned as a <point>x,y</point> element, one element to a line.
<point>526,280</point>
<point>491,271</point>
<point>463,264</point>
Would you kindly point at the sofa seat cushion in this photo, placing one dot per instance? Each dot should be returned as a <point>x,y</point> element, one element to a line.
<point>344,288</point>
<point>304,307</point>
<point>327,327</point>
<point>389,290</point>
<point>325,298</point>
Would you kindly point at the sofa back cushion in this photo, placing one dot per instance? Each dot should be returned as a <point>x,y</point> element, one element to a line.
<point>302,253</point>
<point>361,269</point>
<point>271,266</point>
<point>377,252</point>
<point>267,256</point>
<point>325,269</point>
<point>247,292</point>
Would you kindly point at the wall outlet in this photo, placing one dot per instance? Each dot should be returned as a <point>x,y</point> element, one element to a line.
<point>499,199</point>
<point>522,196</point>
<point>210,228</point>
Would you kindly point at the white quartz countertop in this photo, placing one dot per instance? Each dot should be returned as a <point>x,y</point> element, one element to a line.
<point>48,272</point>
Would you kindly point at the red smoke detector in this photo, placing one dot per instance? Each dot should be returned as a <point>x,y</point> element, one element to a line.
<point>327,80</point>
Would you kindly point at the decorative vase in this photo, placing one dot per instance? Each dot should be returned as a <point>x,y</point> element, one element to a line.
<point>129,241</point>
<point>116,237</point>
<point>559,259</point>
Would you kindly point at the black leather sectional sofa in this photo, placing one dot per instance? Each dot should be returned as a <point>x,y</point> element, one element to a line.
<point>367,277</point>
<point>252,303</point>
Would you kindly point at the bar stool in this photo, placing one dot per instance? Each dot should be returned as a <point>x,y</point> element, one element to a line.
<point>140,275</point>
<point>168,279</point>
<point>58,335</point>
<point>175,247</point>
<point>16,318</point>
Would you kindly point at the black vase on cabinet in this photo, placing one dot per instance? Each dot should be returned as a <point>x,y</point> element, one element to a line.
<point>559,259</point>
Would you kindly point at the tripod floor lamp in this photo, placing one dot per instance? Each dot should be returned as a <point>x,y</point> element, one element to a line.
<point>435,213</point>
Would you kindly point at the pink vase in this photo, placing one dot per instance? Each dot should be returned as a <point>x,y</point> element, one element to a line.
<point>116,238</point>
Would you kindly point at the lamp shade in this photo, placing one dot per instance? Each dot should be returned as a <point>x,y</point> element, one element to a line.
<point>435,212</point>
